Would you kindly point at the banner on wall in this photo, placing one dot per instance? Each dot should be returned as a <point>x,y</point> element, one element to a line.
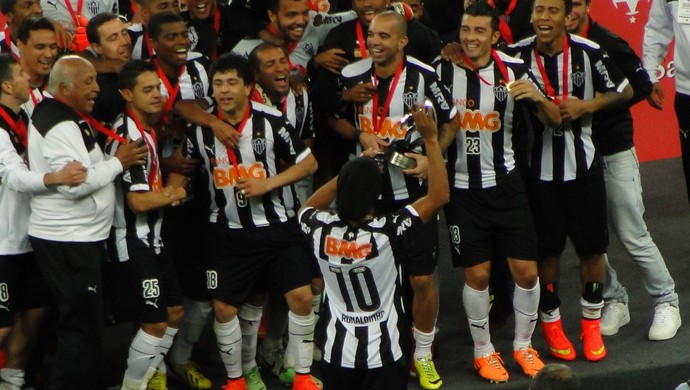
<point>656,132</point>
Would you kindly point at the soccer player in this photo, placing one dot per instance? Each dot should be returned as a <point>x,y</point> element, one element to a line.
<point>68,225</point>
<point>111,43</point>
<point>359,253</point>
<point>489,205</point>
<point>400,82</point>
<point>138,32</point>
<point>567,186</point>
<point>301,30</point>
<point>16,12</point>
<point>38,48</point>
<point>253,233</point>
<point>613,134</point>
<point>218,27</point>
<point>183,76</point>
<point>145,268</point>
<point>23,290</point>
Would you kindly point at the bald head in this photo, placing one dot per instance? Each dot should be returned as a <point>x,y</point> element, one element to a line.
<point>64,72</point>
<point>73,81</point>
<point>398,21</point>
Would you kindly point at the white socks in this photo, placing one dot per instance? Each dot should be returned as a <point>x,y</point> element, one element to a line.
<point>423,342</point>
<point>300,347</point>
<point>591,311</point>
<point>229,339</point>
<point>525,306</point>
<point>477,309</point>
<point>141,353</point>
<point>250,319</point>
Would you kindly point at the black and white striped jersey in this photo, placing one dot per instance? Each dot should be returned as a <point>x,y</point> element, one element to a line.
<point>297,109</point>
<point>482,153</point>
<point>128,225</point>
<point>566,153</point>
<point>266,139</point>
<point>6,45</point>
<point>194,84</point>
<point>416,82</point>
<point>364,319</point>
<point>141,46</point>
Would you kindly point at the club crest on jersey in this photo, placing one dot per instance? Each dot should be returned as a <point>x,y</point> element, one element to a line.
<point>228,177</point>
<point>93,7</point>
<point>500,92</point>
<point>199,91</point>
<point>259,145</point>
<point>410,99</point>
<point>309,49</point>
<point>578,78</point>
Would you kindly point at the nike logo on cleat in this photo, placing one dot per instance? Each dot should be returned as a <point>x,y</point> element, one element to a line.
<point>598,351</point>
<point>564,352</point>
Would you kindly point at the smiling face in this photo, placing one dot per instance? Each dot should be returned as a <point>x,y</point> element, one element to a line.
<point>548,21</point>
<point>292,18</point>
<point>230,91</point>
<point>385,40</point>
<point>201,9</point>
<point>172,44</point>
<point>477,37</point>
<point>81,93</point>
<point>39,53</point>
<point>367,9</point>
<point>115,43</point>
<point>274,71</point>
<point>23,10</point>
<point>575,23</point>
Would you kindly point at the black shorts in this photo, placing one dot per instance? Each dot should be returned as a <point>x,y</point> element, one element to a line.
<point>184,233</point>
<point>575,209</point>
<point>388,377</point>
<point>239,259</point>
<point>484,221</point>
<point>422,255</point>
<point>148,284</point>
<point>22,286</point>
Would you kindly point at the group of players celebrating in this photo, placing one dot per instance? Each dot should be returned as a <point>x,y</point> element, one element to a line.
<point>181,181</point>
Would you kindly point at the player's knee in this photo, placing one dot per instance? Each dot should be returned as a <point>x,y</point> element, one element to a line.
<point>299,300</point>
<point>175,314</point>
<point>525,277</point>
<point>223,312</point>
<point>422,283</point>
<point>155,329</point>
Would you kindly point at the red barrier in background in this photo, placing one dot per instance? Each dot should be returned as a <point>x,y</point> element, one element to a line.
<point>656,132</point>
